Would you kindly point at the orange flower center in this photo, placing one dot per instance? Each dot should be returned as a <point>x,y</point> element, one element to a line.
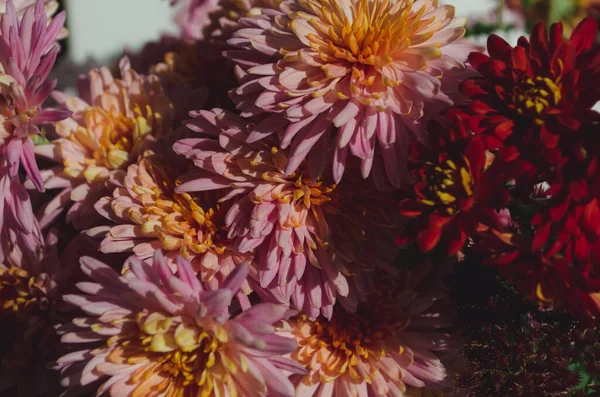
<point>11,116</point>
<point>534,96</point>
<point>446,184</point>
<point>295,188</point>
<point>306,191</point>
<point>363,31</point>
<point>188,358</point>
<point>335,347</point>
<point>176,219</point>
<point>112,139</point>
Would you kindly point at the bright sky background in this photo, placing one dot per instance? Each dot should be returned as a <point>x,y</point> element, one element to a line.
<point>101,29</point>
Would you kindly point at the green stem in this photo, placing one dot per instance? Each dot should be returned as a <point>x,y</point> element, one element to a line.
<point>551,11</point>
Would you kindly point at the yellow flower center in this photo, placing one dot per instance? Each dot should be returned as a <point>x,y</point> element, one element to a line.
<point>363,31</point>
<point>16,292</point>
<point>446,184</point>
<point>306,191</point>
<point>176,219</point>
<point>534,96</point>
<point>296,188</point>
<point>112,138</point>
<point>190,359</point>
<point>11,116</point>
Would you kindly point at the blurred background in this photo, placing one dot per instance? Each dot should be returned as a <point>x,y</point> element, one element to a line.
<point>101,30</point>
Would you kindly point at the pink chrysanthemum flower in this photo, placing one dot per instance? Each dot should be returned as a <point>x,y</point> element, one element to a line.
<point>225,17</point>
<point>114,121</point>
<point>391,342</point>
<point>160,334</point>
<point>28,51</point>
<point>151,216</point>
<point>50,8</point>
<point>193,16</point>
<point>362,72</point>
<point>20,236</point>
<point>312,239</point>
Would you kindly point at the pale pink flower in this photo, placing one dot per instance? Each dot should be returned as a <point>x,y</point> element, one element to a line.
<point>312,240</point>
<point>114,121</point>
<point>150,332</point>
<point>151,216</point>
<point>361,72</point>
<point>193,17</point>
<point>392,341</point>
<point>28,51</point>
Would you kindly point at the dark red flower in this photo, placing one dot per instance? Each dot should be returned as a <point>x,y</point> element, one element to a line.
<point>553,278</point>
<point>443,202</point>
<point>530,99</point>
<point>554,257</point>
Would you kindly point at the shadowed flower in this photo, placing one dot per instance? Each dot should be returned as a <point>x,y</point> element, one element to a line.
<point>391,342</point>
<point>312,239</point>
<point>152,216</point>
<point>357,71</point>
<point>113,122</point>
<point>28,293</point>
<point>225,17</point>
<point>195,76</point>
<point>162,334</point>
<point>553,280</point>
<point>183,78</point>
<point>554,253</point>
<point>28,51</point>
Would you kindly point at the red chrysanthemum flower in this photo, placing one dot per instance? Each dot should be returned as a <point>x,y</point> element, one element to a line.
<point>444,200</point>
<point>530,99</point>
<point>550,278</point>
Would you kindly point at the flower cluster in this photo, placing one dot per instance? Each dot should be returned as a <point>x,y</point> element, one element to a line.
<point>522,186</point>
<point>300,198</point>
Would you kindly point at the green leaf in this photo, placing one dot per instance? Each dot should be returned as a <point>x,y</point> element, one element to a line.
<point>527,3</point>
<point>584,377</point>
<point>39,140</point>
